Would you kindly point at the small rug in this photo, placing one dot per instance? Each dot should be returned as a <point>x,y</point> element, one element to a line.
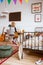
<point>4,59</point>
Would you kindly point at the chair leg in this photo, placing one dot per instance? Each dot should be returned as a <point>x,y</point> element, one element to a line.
<point>20,52</point>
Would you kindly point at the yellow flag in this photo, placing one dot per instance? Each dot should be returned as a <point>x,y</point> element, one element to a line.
<point>26,1</point>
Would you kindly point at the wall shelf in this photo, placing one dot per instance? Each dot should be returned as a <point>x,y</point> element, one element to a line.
<point>2,16</point>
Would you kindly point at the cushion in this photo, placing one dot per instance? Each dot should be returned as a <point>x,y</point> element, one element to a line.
<point>5,47</point>
<point>5,51</point>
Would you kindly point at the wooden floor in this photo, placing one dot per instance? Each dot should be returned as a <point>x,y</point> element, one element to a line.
<point>29,59</point>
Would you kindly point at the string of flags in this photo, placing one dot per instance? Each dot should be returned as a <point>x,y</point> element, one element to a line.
<point>15,1</point>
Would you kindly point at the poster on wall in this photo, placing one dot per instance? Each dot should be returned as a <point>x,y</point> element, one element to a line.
<point>36,7</point>
<point>37,17</point>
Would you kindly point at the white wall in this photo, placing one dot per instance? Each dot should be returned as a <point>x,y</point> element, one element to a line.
<point>27,19</point>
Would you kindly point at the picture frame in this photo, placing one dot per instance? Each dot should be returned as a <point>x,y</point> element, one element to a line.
<point>37,18</point>
<point>36,7</point>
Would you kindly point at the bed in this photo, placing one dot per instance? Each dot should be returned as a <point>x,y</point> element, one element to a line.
<point>33,40</point>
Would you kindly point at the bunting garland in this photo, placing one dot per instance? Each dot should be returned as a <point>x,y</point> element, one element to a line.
<point>9,1</point>
<point>15,1</point>
<point>26,1</point>
<point>20,1</point>
<point>1,1</point>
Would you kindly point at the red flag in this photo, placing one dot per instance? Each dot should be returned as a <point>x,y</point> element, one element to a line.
<point>20,1</point>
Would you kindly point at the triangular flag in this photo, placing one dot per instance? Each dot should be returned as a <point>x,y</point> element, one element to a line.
<point>9,1</point>
<point>1,1</point>
<point>15,1</point>
<point>26,1</point>
<point>20,1</point>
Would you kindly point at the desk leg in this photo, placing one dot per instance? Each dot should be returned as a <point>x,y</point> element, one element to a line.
<point>22,53</point>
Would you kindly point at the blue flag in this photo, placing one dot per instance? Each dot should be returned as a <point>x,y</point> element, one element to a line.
<point>1,1</point>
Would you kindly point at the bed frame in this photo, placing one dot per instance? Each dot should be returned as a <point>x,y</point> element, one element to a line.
<point>31,41</point>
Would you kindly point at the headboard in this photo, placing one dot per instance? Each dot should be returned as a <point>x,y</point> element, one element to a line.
<point>39,29</point>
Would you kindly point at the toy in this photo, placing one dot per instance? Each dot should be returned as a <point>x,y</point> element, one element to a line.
<point>2,36</point>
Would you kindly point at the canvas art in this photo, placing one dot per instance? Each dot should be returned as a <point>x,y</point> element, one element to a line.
<point>36,7</point>
<point>37,17</point>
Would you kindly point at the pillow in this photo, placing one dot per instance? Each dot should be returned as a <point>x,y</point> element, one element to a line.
<point>5,51</point>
